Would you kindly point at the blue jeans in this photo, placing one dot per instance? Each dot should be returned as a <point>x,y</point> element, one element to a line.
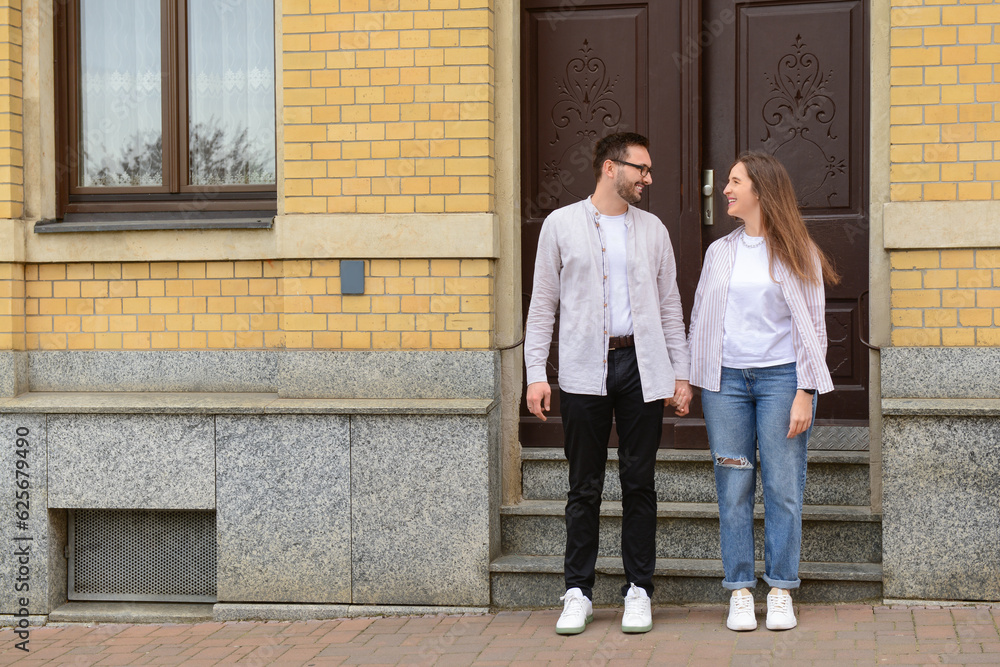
<point>750,412</point>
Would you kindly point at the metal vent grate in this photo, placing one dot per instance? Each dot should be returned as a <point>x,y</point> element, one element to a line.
<point>160,555</point>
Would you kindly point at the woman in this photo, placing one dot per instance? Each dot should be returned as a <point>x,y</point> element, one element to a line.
<point>758,351</point>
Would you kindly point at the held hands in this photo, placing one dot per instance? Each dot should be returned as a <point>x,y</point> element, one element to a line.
<point>539,396</point>
<point>801,415</point>
<point>681,400</point>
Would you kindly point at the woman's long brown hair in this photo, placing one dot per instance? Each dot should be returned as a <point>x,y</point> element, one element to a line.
<point>788,239</point>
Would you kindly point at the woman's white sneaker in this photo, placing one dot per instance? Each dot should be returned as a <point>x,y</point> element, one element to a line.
<point>577,612</point>
<point>741,613</point>
<point>780,615</point>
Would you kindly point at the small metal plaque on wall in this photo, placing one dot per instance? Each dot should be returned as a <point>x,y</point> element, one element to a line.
<point>352,276</point>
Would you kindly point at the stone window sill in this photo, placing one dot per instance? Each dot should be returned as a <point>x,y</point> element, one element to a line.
<point>139,222</point>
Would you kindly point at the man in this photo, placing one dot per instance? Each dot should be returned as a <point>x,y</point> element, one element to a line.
<point>609,269</point>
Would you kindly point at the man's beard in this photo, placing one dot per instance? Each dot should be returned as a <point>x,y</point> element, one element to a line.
<point>626,190</point>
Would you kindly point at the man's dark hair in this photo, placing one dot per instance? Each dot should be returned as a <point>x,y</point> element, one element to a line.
<point>615,147</point>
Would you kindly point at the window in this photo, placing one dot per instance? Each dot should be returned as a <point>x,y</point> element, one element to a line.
<point>166,107</point>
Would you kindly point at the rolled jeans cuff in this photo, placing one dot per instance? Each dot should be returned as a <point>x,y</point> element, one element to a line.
<point>782,583</point>
<point>737,585</point>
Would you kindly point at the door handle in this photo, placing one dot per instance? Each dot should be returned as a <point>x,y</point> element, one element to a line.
<point>861,336</point>
<point>708,197</point>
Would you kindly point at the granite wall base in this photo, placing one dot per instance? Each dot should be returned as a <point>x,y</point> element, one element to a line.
<point>940,449</point>
<point>941,519</point>
<point>356,374</point>
<point>13,372</point>
<point>350,509</point>
<point>421,509</point>
<point>284,508</point>
<point>346,374</point>
<point>152,370</point>
<point>940,372</point>
<point>131,461</point>
<point>24,529</point>
<point>362,479</point>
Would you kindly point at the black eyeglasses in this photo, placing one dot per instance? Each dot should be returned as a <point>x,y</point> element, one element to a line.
<point>643,169</point>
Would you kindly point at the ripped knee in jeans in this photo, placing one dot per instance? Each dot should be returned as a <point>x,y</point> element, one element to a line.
<point>742,463</point>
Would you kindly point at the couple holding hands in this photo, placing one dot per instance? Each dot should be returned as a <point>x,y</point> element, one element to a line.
<point>757,349</point>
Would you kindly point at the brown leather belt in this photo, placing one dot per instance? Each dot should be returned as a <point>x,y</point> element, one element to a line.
<point>616,342</point>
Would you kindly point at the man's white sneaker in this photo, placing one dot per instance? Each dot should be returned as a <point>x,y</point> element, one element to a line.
<point>638,616</point>
<point>577,611</point>
<point>741,614</point>
<point>780,615</point>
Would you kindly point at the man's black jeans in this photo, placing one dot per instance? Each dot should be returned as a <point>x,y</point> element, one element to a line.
<point>586,427</point>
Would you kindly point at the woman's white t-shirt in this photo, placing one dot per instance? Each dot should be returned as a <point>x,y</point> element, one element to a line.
<point>757,329</point>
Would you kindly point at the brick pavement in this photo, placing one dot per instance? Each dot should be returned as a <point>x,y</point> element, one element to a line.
<point>838,635</point>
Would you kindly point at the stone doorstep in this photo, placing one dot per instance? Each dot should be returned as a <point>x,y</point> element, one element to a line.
<point>848,456</point>
<point>537,581</point>
<point>681,567</point>
<point>613,508</point>
<point>836,477</point>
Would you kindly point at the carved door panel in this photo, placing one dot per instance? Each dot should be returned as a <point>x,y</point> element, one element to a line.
<point>589,69</point>
<point>791,78</point>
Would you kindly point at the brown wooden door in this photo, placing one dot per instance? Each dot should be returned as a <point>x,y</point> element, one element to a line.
<point>791,78</point>
<point>590,68</point>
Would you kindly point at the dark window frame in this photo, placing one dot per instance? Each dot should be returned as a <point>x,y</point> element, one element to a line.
<point>174,198</point>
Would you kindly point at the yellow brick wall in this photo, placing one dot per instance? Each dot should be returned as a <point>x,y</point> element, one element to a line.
<point>387,106</point>
<point>11,157</point>
<point>944,135</point>
<point>11,307</point>
<point>945,100</point>
<point>407,304</point>
<point>946,297</point>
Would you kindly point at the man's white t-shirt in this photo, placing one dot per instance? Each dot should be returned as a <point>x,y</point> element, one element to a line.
<point>616,240</point>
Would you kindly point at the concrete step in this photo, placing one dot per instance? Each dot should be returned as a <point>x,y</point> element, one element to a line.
<point>691,530</point>
<point>537,581</point>
<point>686,475</point>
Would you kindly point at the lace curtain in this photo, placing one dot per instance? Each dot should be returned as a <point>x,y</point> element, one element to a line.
<point>231,92</point>
<point>120,92</point>
<point>230,119</point>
